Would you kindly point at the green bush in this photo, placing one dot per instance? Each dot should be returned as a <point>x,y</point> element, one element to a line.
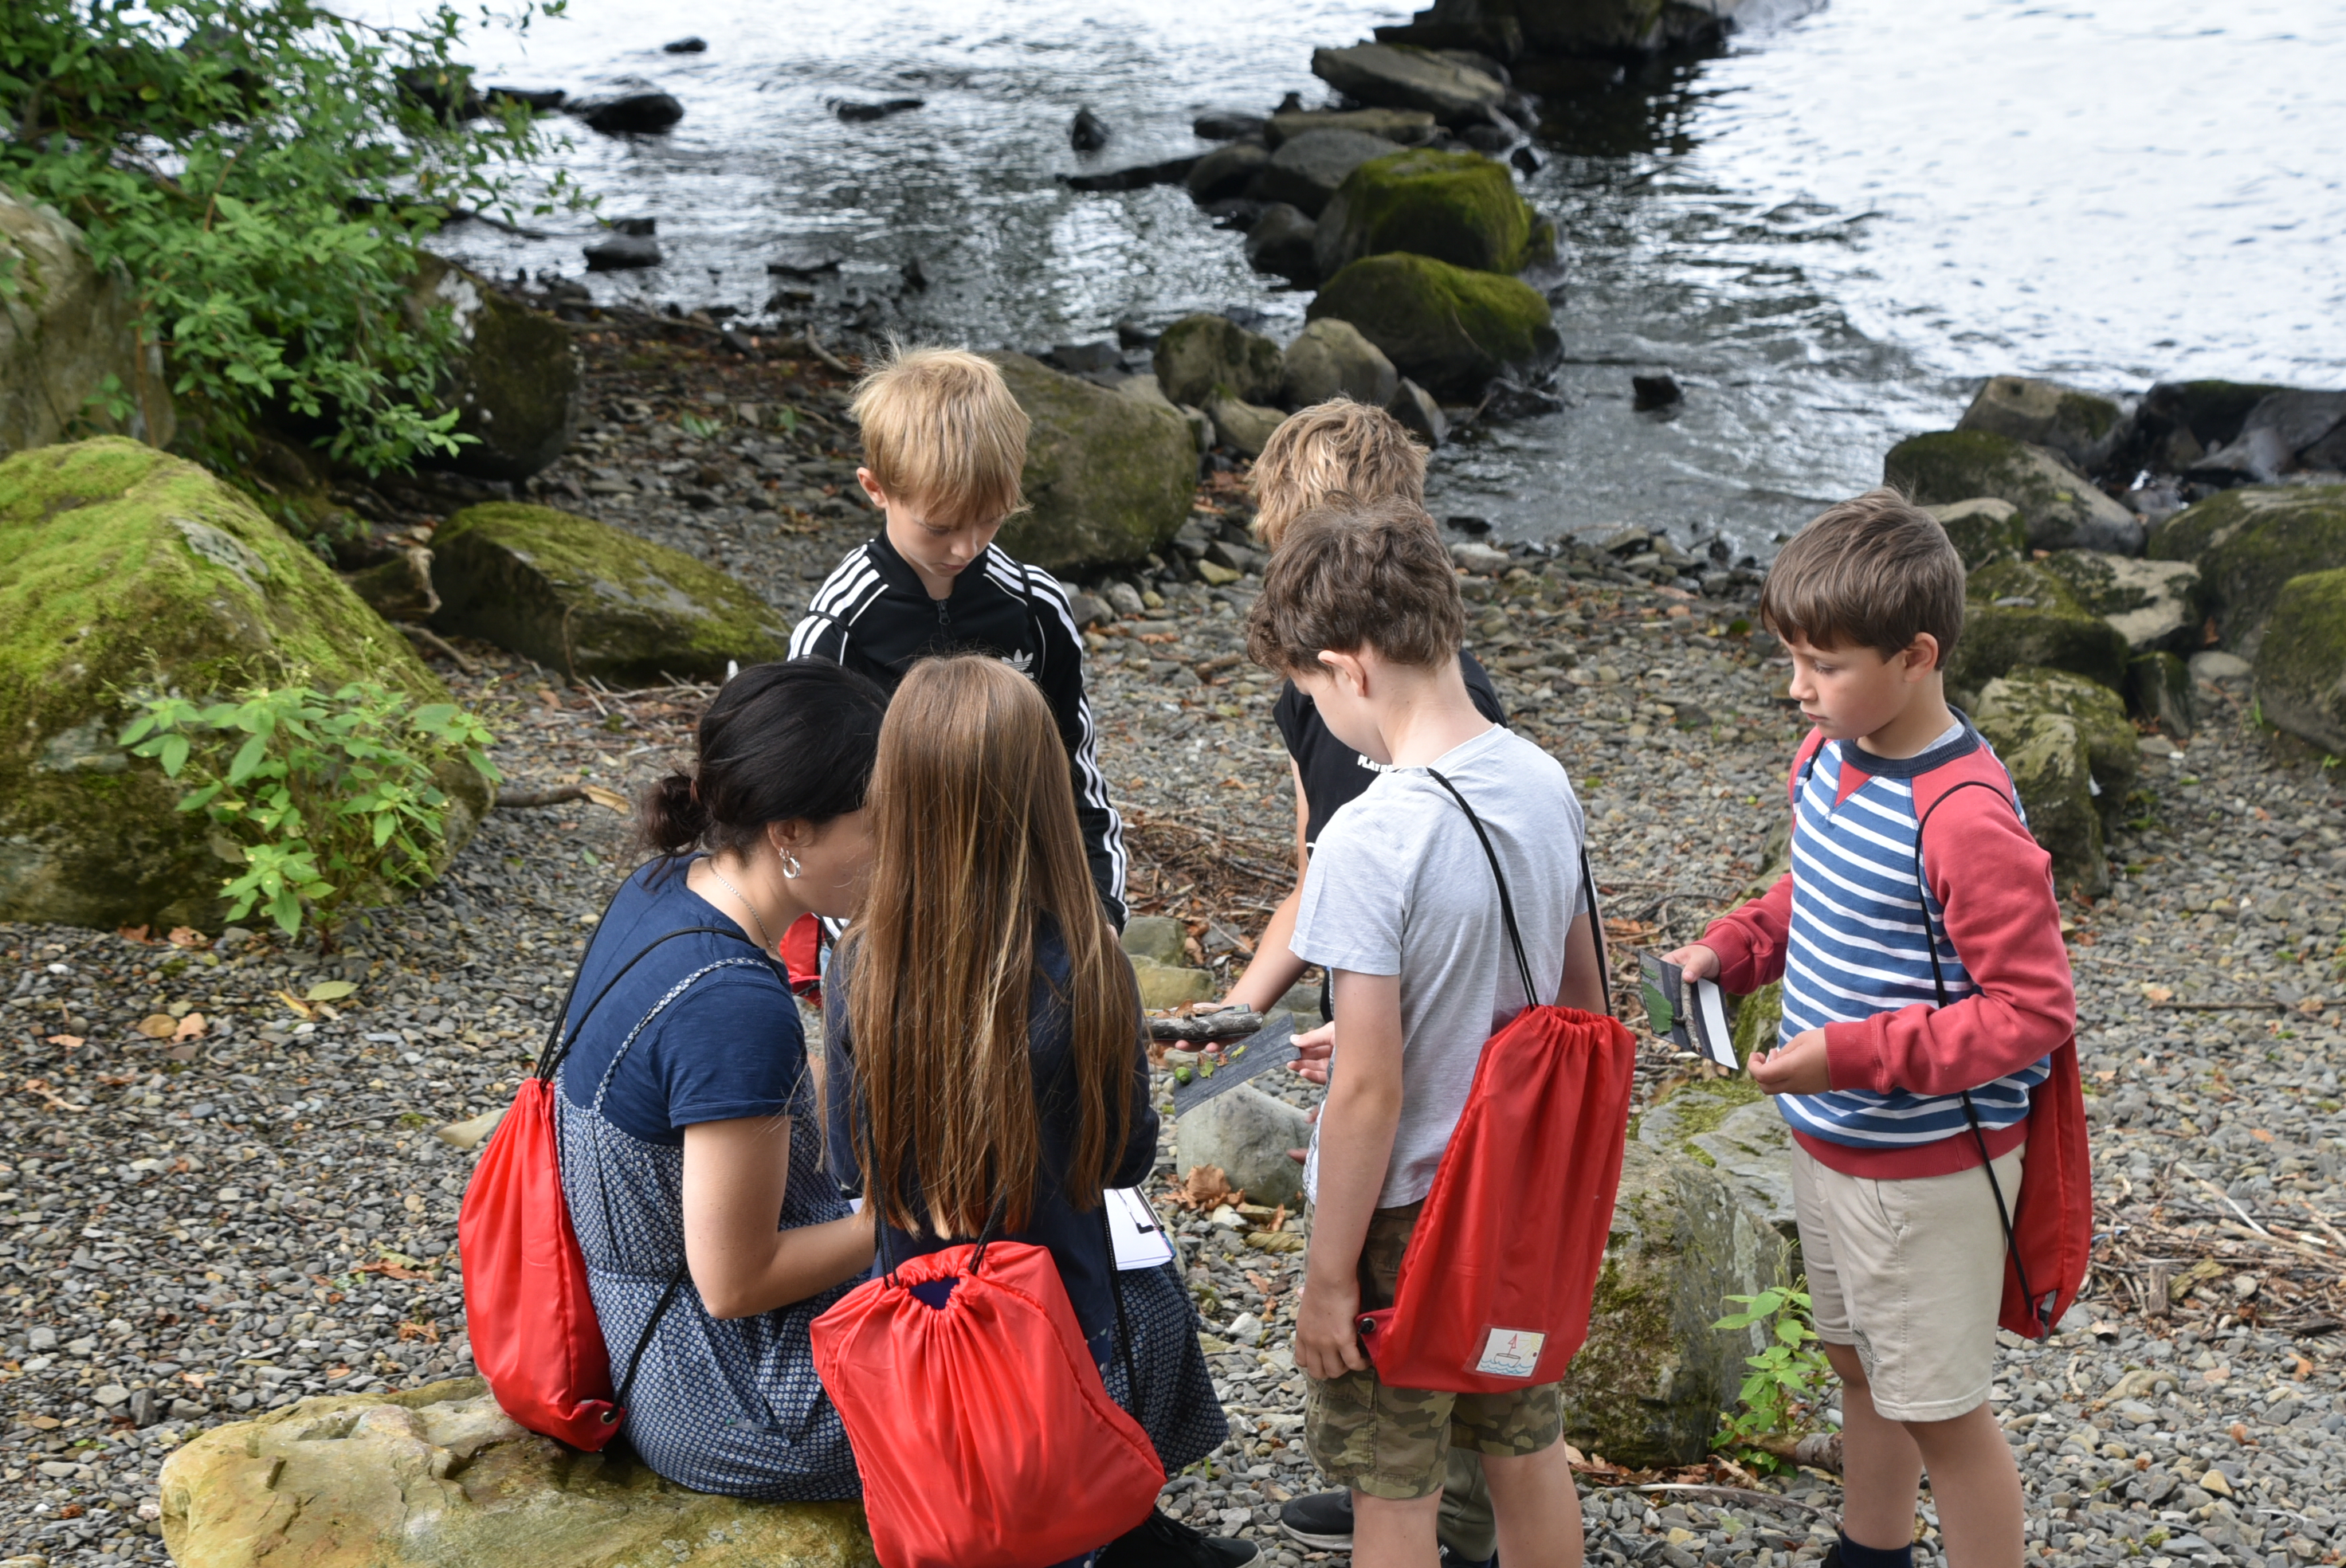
<point>1785,1379</point>
<point>323,800</point>
<point>265,170</point>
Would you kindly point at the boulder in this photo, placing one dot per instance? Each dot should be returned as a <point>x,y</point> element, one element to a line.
<point>1163,986</point>
<point>1226,125</point>
<point>1107,478</point>
<point>1331,359</point>
<point>1305,172</point>
<point>1247,1134</point>
<point>1402,128</point>
<point>2181,422</point>
<point>2084,427</point>
<point>1197,354</point>
<point>1283,243</point>
<point>68,327</point>
<point>1244,427</point>
<point>1399,76</point>
<point>1456,206</point>
<point>623,253</point>
<point>1982,530</point>
<point>2285,431</point>
<point>2159,687</point>
<point>2018,613</point>
<point>627,114</point>
<point>2302,664</point>
<point>2113,757</point>
<point>1729,1126</point>
<point>1646,1389</point>
<point>2049,736</point>
<point>1161,939</point>
<point>1450,329</point>
<point>124,570</point>
<point>518,382</point>
<point>2148,602</point>
<point>436,1476</point>
<point>2248,541</point>
<point>1601,30</point>
<point>585,598</point>
<point>399,588</point>
<point>1759,1017</point>
<point>1226,171</point>
<point>1419,413</point>
<point>2062,511</point>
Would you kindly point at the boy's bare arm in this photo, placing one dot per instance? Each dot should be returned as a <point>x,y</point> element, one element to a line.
<point>1276,968</point>
<point>1356,1138</point>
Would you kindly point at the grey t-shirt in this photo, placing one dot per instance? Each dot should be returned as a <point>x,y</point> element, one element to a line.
<point>1399,885</point>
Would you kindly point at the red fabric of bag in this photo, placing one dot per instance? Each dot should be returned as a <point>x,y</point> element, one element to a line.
<point>1512,1236</point>
<point>802,951</point>
<point>527,1311</point>
<point>2053,1214</point>
<point>981,1427</point>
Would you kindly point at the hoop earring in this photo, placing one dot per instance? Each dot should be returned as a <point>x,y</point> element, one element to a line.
<point>791,867</point>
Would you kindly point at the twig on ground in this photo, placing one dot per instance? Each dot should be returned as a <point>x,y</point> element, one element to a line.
<point>814,346</point>
<point>439,644</point>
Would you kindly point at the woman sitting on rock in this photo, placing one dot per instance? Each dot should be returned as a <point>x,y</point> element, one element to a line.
<point>690,1132</point>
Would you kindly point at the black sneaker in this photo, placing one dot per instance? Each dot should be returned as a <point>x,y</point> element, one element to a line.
<point>1157,1541</point>
<point>1321,1520</point>
<point>1450,1559</point>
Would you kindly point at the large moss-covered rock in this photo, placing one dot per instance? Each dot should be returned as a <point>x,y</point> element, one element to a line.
<point>1984,530</point>
<point>1197,354</point>
<point>1331,359</point>
<point>585,598</point>
<point>1107,478</point>
<point>124,570</point>
<point>2159,688</point>
<point>2018,613</point>
<point>2148,602</point>
<point>2180,422</point>
<point>68,327</point>
<point>1402,128</point>
<point>2112,756</point>
<point>2084,427</point>
<point>1647,1388</point>
<point>2073,759</point>
<point>1729,1126</point>
<point>1246,428</point>
<point>2062,511</point>
<point>1450,329</point>
<point>1400,76</point>
<point>2301,665</point>
<point>2248,541</point>
<point>518,382</point>
<point>1307,169</point>
<point>439,1477</point>
<point>1456,206</point>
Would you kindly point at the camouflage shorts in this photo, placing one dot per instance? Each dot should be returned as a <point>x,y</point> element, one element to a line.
<point>1395,1442</point>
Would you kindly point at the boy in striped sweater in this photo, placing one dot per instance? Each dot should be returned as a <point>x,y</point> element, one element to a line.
<point>1906,836</point>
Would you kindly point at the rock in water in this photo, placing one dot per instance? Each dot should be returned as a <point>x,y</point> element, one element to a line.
<point>695,46</point>
<point>623,253</point>
<point>1419,413</point>
<point>1089,133</point>
<point>1982,530</point>
<point>2301,662</point>
<point>1306,171</point>
<point>1226,171</point>
<point>398,589</point>
<point>2060,738</point>
<point>1331,359</point>
<point>518,382</point>
<point>1107,478</point>
<point>1456,206</point>
<point>1646,1389</point>
<point>1450,329</point>
<point>1197,354</point>
<point>1391,77</point>
<point>1649,393</point>
<point>2148,602</point>
<point>2061,510</point>
<point>1281,242</point>
<point>2248,542</point>
<point>863,113</point>
<point>1402,128</point>
<point>629,113</point>
<point>2020,612</point>
<point>70,326</point>
<point>123,570</point>
<point>2084,427</point>
<point>439,1475</point>
<point>1225,125</point>
<point>1247,1134</point>
<point>587,599</point>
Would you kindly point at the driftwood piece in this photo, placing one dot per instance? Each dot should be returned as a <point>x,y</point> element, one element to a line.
<point>1228,1023</point>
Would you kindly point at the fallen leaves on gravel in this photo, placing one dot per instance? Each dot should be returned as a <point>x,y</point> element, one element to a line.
<point>157,1026</point>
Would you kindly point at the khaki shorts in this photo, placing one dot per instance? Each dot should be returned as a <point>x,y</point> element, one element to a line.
<point>1395,1442</point>
<point>1911,1274</point>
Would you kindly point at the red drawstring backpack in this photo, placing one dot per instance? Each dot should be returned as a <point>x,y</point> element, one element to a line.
<point>528,1313</point>
<point>1496,1284</point>
<point>981,1427</point>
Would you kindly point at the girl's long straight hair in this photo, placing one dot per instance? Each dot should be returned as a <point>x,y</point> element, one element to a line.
<point>976,839</point>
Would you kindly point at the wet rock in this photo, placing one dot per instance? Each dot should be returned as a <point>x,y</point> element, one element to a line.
<point>856,113</point>
<point>2159,688</point>
<point>2300,680</point>
<point>622,253</point>
<point>1419,413</point>
<point>686,47</point>
<point>130,571</point>
<point>2148,602</point>
<point>70,325</point>
<point>1226,171</point>
<point>1402,128</point>
<point>2061,510</point>
<point>1198,354</point>
<point>2180,421</point>
<point>1226,125</point>
<point>516,383</point>
<point>1281,243</point>
<point>374,1480</point>
<point>1244,427</point>
<point>1306,170</point>
<point>1331,359</point>
<point>2019,612</point>
<point>1107,477</point>
<point>2285,431</point>
<point>1172,171</point>
<point>1456,206</point>
<point>398,589</point>
<point>1392,76</point>
<point>2073,759</point>
<point>2248,542</point>
<point>1450,329</point>
<point>1581,31</point>
<point>2084,427</point>
<point>627,114</point>
<point>1982,530</point>
<point>538,100</point>
<point>1650,393</point>
<point>586,598</point>
<point>1247,1134</point>
<point>1087,132</point>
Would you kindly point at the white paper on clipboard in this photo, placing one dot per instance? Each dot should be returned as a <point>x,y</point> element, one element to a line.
<point>1132,1226</point>
<point>1718,1040</point>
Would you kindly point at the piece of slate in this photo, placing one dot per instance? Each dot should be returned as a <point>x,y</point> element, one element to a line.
<point>1272,1046</point>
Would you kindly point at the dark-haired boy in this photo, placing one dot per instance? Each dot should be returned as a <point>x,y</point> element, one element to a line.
<point>1899,1228</point>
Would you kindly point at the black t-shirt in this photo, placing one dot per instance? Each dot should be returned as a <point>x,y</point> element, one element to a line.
<point>1332,771</point>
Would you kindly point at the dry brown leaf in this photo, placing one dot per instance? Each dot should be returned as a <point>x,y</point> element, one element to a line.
<point>157,1026</point>
<point>188,936</point>
<point>305,1008</point>
<point>611,798</point>
<point>70,1042</point>
<point>191,1027</point>
<point>137,933</point>
<point>2161,993</point>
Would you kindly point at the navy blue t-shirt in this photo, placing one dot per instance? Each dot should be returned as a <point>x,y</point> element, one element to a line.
<point>729,1046</point>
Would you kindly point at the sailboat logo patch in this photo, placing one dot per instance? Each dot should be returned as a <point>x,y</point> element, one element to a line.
<point>1510,1353</point>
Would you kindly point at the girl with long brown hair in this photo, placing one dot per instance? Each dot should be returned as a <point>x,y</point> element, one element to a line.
<point>988,1071</point>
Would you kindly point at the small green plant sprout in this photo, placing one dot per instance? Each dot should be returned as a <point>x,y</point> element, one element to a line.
<point>1779,1396</point>
<point>698,427</point>
<point>322,800</point>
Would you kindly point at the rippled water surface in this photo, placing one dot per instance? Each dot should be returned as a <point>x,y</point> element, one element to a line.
<point>1827,233</point>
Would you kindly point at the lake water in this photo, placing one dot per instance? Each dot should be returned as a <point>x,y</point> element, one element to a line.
<point>1827,234</point>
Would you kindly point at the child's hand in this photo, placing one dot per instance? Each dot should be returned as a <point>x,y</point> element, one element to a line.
<point>1313,1050</point>
<point>1797,1067</point>
<point>1698,961</point>
<point>1327,1345</point>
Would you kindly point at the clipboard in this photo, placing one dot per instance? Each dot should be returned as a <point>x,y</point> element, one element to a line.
<point>1689,1014</point>
<point>1133,1227</point>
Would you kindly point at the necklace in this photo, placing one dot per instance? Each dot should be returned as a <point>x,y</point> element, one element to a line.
<point>745,904</point>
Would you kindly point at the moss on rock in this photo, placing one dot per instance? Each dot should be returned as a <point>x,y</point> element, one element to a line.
<point>2060,510</point>
<point>2159,687</point>
<point>1455,206</point>
<point>2060,738</point>
<point>1107,478</point>
<point>123,570</point>
<point>2083,426</point>
<point>516,384</point>
<point>1984,530</point>
<point>2018,613</point>
<point>2248,541</point>
<point>2301,665</point>
<point>1197,354</point>
<point>2112,756</point>
<point>2148,602</point>
<point>1448,328</point>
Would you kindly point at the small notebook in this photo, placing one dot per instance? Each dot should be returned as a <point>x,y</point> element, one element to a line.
<point>1132,1225</point>
<point>1690,1013</point>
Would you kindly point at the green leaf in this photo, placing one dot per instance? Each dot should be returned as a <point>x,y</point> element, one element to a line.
<point>174,754</point>
<point>249,756</point>
<point>329,991</point>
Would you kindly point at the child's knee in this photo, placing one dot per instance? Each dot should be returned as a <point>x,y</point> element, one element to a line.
<point>1848,1366</point>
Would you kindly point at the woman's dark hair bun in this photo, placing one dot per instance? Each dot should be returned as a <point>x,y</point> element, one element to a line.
<point>668,818</point>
